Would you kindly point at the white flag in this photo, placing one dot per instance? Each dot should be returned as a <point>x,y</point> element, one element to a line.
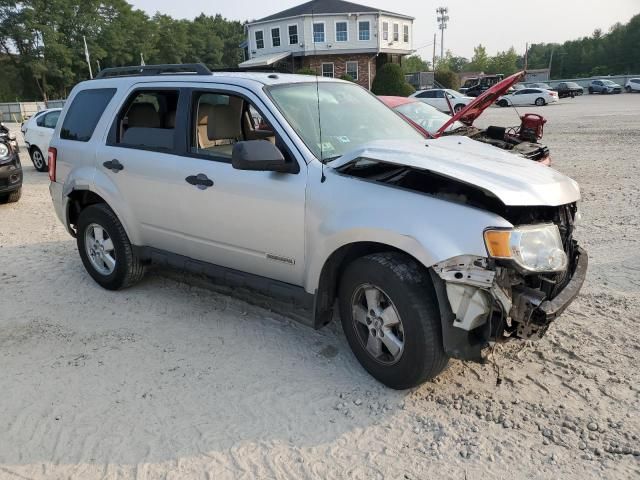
<point>86,55</point>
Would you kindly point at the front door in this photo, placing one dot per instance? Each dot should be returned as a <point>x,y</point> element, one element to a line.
<point>246,220</point>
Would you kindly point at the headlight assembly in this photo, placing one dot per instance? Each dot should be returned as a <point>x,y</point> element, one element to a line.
<point>4,151</point>
<point>535,248</point>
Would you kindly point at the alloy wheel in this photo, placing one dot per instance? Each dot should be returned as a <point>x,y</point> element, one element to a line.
<point>38,159</point>
<point>378,324</point>
<point>100,249</point>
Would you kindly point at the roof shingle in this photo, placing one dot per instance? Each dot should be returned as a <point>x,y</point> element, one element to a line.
<point>319,7</point>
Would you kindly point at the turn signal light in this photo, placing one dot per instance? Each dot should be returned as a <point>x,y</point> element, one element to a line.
<point>497,242</point>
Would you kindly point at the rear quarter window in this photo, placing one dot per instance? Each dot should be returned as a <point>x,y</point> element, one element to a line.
<point>84,113</point>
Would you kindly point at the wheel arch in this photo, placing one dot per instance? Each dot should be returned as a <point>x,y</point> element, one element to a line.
<point>327,287</point>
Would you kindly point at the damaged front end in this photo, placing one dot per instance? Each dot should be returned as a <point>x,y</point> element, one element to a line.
<point>499,298</point>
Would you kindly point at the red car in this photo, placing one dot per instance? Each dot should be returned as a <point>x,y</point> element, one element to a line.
<point>522,140</point>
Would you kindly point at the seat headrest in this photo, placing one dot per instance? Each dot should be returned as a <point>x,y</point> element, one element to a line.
<point>225,122</point>
<point>143,115</point>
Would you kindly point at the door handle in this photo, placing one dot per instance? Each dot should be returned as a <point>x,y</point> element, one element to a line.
<point>200,180</point>
<point>114,165</point>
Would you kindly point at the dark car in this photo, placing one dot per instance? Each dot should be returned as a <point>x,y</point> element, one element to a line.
<point>484,84</point>
<point>569,89</point>
<point>10,168</point>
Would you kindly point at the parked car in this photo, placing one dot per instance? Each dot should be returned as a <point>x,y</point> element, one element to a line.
<point>543,86</point>
<point>10,167</point>
<point>468,83</point>
<point>432,248</point>
<point>484,83</point>
<point>529,96</point>
<point>632,85</point>
<point>437,97</point>
<point>569,89</point>
<point>604,86</point>
<point>522,140</point>
<point>37,133</point>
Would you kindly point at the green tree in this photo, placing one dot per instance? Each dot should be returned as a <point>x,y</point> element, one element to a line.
<point>479,61</point>
<point>390,80</point>
<point>414,63</point>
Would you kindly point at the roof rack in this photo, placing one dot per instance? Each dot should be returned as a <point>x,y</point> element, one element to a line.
<point>147,70</point>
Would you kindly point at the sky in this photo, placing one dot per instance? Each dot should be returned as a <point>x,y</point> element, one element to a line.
<point>497,24</point>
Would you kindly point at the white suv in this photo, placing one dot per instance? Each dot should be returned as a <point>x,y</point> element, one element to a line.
<point>312,189</point>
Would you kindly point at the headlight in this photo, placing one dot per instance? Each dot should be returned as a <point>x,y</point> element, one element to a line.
<point>536,248</point>
<point>4,151</point>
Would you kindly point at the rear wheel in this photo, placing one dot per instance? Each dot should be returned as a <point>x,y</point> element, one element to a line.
<point>590,89</point>
<point>503,103</point>
<point>38,159</point>
<point>628,89</point>
<point>391,319</point>
<point>540,102</point>
<point>105,249</point>
<point>458,107</point>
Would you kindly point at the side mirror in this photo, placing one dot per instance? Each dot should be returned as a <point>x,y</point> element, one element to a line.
<point>260,156</point>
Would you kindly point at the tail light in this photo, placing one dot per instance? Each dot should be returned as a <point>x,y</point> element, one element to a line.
<point>51,160</point>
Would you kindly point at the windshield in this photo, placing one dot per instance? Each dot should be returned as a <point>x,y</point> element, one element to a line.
<point>608,82</point>
<point>349,116</point>
<point>426,116</point>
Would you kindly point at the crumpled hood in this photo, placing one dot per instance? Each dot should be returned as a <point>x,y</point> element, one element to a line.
<point>516,181</point>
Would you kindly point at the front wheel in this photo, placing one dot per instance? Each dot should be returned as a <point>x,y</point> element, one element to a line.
<point>540,102</point>
<point>458,107</point>
<point>503,103</point>
<point>38,159</point>
<point>390,316</point>
<point>590,90</point>
<point>628,89</point>
<point>105,249</point>
<point>12,197</point>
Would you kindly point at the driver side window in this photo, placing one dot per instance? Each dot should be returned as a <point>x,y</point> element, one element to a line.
<point>220,120</point>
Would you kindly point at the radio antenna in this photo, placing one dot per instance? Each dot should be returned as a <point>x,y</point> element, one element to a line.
<point>313,40</point>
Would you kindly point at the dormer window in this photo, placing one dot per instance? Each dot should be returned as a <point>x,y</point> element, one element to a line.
<point>364,32</point>
<point>318,32</point>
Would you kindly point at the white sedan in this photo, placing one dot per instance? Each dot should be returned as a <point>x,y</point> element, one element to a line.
<point>529,96</point>
<point>37,133</point>
<point>437,98</point>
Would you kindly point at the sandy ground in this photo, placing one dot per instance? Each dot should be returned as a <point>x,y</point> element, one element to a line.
<point>172,380</point>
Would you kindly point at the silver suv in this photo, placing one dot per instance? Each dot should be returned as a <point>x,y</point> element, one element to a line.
<point>312,189</point>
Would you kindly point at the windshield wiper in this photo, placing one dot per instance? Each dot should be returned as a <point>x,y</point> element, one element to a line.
<point>330,159</point>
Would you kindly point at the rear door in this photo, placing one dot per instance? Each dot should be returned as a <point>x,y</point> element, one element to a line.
<point>137,164</point>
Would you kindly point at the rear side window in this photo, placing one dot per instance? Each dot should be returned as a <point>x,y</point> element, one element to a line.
<point>84,113</point>
<point>148,120</point>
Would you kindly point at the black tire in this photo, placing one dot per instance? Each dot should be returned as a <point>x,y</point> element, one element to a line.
<point>503,103</point>
<point>458,107</point>
<point>38,159</point>
<point>540,102</point>
<point>408,286</point>
<point>590,90</point>
<point>129,269</point>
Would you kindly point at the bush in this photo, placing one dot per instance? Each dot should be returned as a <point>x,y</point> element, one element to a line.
<point>347,77</point>
<point>390,81</point>
<point>448,79</point>
<point>306,71</point>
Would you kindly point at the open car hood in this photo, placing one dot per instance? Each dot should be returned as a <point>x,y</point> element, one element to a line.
<point>516,181</point>
<point>474,109</point>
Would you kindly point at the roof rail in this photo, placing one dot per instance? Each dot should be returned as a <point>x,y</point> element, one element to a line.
<point>147,70</point>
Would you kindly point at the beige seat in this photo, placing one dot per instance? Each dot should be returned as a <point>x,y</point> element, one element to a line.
<point>204,112</point>
<point>225,122</point>
<point>143,115</point>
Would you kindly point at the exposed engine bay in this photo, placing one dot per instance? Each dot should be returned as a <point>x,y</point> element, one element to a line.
<point>506,139</point>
